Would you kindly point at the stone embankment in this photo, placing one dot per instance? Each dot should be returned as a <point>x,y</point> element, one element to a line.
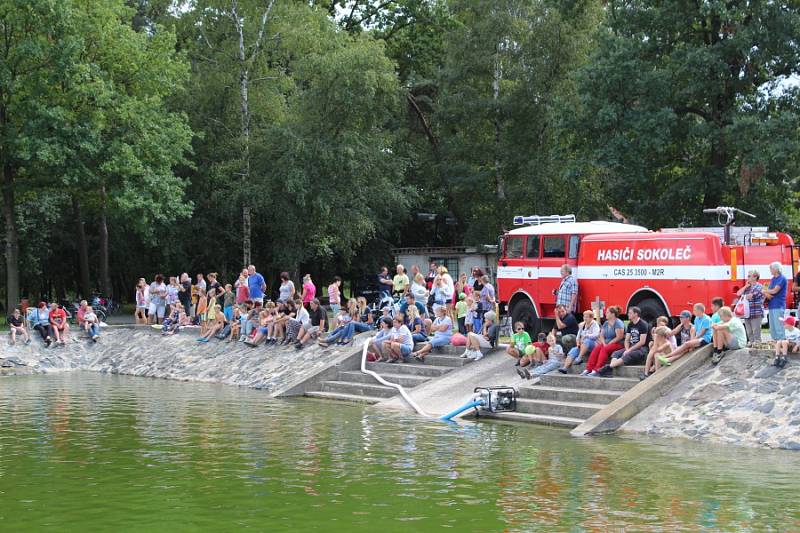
<point>143,351</point>
<point>742,401</point>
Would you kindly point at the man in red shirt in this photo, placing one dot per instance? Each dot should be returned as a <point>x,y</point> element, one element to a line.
<point>58,319</point>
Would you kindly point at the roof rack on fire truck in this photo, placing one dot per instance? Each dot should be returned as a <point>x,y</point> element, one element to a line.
<point>538,220</point>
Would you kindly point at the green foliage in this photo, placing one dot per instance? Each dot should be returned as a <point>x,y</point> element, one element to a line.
<point>685,105</point>
<point>364,113</point>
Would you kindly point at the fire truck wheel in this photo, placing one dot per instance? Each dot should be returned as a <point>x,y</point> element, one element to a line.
<point>651,309</point>
<point>523,312</point>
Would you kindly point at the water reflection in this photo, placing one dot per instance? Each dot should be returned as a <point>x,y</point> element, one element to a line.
<point>191,456</point>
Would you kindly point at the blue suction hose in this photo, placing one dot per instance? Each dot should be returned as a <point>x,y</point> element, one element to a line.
<point>470,405</point>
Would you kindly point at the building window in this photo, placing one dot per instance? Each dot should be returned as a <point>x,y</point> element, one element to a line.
<point>450,263</point>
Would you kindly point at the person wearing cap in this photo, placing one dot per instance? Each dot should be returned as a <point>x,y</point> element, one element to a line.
<point>790,342</point>
<point>701,335</point>
<point>683,331</point>
<point>775,294</point>
<point>487,339</point>
<point>461,313</point>
<point>753,292</point>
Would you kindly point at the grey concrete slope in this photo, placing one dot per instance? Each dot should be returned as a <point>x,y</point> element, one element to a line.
<point>143,351</point>
<point>743,400</point>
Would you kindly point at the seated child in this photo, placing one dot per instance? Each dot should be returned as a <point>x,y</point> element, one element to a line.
<point>555,358</point>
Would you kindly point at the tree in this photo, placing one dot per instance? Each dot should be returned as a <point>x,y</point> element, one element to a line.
<point>506,73</point>
<point>122,161</point>
<point>84,119</point>
<point>34,42</point>
<point>686,105</point>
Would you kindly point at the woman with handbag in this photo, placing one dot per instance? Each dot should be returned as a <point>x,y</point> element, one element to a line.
<point>750,306</point>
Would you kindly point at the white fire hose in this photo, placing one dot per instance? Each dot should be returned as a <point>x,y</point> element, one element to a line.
<point>382,381</point>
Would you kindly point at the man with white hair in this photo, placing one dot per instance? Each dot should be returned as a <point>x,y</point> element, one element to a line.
<point>776,304</point>
<point>400,281</point>
<point>567,293</point>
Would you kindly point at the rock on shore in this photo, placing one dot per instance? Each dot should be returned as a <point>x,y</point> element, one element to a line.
<point>742,401</point>
<point>142,351</point>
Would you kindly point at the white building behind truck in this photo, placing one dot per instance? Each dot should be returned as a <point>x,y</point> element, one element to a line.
<point>457,259</point>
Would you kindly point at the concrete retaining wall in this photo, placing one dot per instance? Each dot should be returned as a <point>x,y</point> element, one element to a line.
<point>143,351</point>
<point>743,400</point>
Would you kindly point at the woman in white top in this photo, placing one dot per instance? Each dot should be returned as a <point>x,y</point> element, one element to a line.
<point>142,298</point>
<point>588,332</point>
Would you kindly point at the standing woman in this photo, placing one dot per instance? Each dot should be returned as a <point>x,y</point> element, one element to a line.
<point>334,296</point>
<point>286,291</point>
<point>753,293</point>
<point>309,291</point>
<point>477,284</point>
<point>142,297</point>
<point>173,291</point>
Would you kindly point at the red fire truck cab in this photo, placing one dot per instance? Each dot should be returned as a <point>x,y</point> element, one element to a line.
<point>662,272</point>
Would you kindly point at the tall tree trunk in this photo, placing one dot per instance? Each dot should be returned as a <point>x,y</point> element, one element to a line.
<point>105,279</point>
<point>12,237</point>
<point>83,249</point>
<point>244,95</point>
<point>246,233</point>
<point>244,88</point>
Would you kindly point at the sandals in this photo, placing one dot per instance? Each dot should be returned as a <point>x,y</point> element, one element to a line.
<point>420,358</point>
<point>717,357</point>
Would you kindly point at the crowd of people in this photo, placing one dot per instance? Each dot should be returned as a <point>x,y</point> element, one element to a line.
<point>428,310</point>
<point>612,344</point>
<point>416,313</point>
<point>51,322</point>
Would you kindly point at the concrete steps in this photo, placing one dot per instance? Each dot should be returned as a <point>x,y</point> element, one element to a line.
<point>558,408</point>
<point>567,400</point>
<point>574,381</point>
<point>343,397</point>
<point>567,394</point>
<point>409,368</point>
<point>544,420</point>
<point>353,385</point>
<point>406,380</point>
<point>373,389</point>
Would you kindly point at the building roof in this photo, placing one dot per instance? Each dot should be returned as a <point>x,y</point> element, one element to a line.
<point>578,228</point>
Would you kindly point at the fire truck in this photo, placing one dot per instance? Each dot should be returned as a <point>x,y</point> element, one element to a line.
<point>662,272</point>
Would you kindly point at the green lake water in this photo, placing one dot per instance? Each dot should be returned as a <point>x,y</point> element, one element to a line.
<point>90,452</point>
